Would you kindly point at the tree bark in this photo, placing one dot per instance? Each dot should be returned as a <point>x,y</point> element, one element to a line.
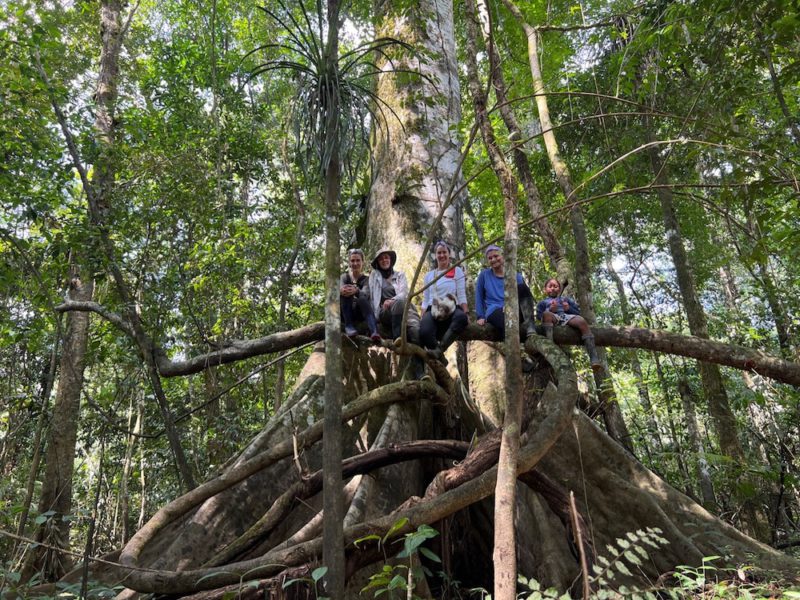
<point>333,507</point>
<point>416,173</point>
<point>56,498</point>
<point>505,542</point>
<point>690,419</point>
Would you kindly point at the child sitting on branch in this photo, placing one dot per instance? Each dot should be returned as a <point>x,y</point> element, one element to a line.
<point>563,310</point>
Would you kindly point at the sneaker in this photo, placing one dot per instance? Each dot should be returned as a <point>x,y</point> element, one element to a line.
<point>350,331</point>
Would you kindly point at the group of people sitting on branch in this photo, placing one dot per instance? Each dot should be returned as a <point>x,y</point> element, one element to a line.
<point>381,298</point>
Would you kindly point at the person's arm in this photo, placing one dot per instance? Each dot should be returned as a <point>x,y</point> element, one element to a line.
<point>573,306</point>
<point>480,299</point>
<point>400,287</point>
<point>363,287</point>
<point>540,308</point>
<point>461,288</point>
<point>344,285</point>
<point>426,295</point>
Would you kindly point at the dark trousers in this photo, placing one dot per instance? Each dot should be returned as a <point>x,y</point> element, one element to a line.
<point>431,330</point>
<point>393,318</point>
<point>498,320</point>
<point>354,309</point>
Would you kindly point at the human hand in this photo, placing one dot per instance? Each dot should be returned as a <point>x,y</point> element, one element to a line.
<point>388,304</point>
<point>553,306</point>
<point>565,304</point>
<point>481,322</point>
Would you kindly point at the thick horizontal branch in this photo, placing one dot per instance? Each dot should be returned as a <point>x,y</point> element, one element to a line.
<point>241,349</point>
<point>711,351</point>
<point>110,316</point>
<point>729,355</point>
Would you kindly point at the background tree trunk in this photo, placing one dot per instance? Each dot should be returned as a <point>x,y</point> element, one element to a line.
<point>688,401</point>
<point>56,498</point>
<point>713,386</point>
<point>333,508</point>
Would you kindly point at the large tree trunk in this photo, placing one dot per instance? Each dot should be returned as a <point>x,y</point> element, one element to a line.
<point>416,151</point>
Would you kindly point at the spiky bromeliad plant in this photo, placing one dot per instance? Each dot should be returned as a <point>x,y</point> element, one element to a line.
<point>334,105</point>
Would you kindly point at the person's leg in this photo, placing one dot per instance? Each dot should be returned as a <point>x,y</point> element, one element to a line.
<point>548,322</point>
<point>428,330</point>
<point>346,310</point>
<point>364,312</point>
<point>448,332</point>
<point>458,322</point>
<point>412,321</point>
<point>498,321</point>
<point>587,337</point>
<point>385,319</point>
<point>526,311</point>
<point>412,332</point>
<point>579,323</point>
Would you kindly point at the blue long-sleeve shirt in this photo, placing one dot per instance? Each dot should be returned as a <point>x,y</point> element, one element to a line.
<point>545,305</point>
<point>489,293</point>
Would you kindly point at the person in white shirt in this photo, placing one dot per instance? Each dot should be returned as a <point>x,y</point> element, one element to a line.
<point>444,304</point>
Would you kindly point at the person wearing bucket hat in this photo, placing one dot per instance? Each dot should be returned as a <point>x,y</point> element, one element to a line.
<point>489,296</point>
<point>388,290</point>
<point>354,297</point>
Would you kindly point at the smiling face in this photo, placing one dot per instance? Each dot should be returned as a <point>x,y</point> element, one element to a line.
<point>356,263</point>
<point>442,257</point>
<point>385,261</point>
<point>552,288</point>
<point>495,260</point>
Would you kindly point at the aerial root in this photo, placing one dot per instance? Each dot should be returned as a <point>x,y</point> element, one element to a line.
<point>394,392</point>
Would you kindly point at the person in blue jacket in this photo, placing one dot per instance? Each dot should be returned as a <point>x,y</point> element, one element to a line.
<point>489,297</point>
<point>563,310</point>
